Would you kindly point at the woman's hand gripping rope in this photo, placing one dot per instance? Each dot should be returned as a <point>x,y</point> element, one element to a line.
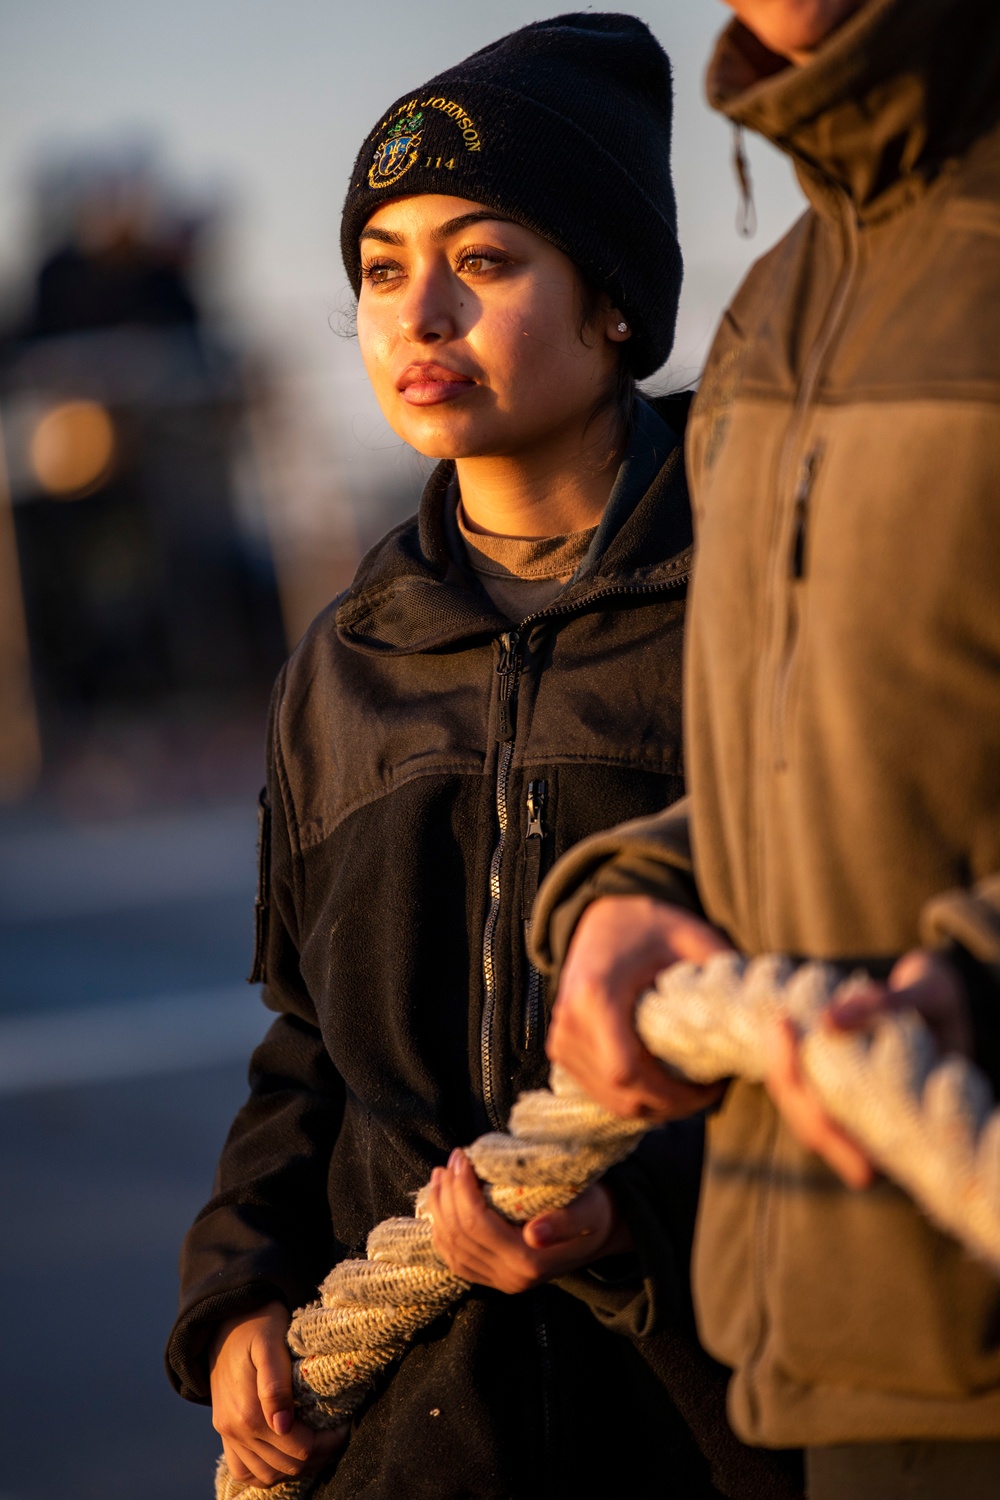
<point>480,1246</point>
<point>252,1405</point>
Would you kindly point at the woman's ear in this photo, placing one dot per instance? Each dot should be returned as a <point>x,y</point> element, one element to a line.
<point>617,326</point>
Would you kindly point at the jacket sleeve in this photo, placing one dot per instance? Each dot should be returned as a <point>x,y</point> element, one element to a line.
<point>656,1189</point>
<point>647,857</point>
<point>965,924</point>
<point>266,1233</point>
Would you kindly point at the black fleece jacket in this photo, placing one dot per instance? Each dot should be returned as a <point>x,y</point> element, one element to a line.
<point>428,760</point>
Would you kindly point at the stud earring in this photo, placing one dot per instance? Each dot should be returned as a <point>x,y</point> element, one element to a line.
<point>623,328</point>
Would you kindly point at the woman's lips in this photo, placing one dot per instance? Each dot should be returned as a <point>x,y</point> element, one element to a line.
<point>426,385</point>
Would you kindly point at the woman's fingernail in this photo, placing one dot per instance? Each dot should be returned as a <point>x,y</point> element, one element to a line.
<point>456,1162</point>
<point>542,1233</point>
<point>281,1422</point>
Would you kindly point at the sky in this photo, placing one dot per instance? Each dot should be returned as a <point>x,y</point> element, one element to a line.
<point>268,101</point>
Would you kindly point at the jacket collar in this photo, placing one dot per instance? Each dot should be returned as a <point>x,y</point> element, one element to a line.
<point>408,596</point>
<point>898,89</point>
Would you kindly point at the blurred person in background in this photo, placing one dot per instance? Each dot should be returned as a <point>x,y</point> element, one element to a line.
<point>501,679</point>
<point>121,264</point>
<point>147,594</point>
<point>843,736</point>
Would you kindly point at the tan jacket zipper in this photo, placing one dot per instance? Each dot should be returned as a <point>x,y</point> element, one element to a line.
<point>787,574</point>
<point>796,478</point>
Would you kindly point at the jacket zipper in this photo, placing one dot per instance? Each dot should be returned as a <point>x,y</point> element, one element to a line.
<point>586,600</point>
<point>545,1362</point>
<point>784,588</point>
<point>796,572</point>
<point>508,665</point>
<point>761,1238</point>
<point>802,494</point>
<point>534,841</point>
<point>508,669</point>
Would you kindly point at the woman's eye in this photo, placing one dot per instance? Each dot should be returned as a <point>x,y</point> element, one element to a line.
<point>476,261</point>
<point>379,272</point>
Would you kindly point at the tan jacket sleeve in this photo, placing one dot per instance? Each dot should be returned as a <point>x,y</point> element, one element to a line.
<point>967,916</point>
<point>965,922</point>
<point>647,857</point>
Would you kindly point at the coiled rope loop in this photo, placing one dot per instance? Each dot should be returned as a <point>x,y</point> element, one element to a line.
<point>925,1121</point>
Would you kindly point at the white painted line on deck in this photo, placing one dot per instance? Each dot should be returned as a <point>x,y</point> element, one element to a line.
<point>130,1038</point>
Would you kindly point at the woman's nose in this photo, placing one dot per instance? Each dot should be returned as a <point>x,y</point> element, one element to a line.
<point>426,315</point>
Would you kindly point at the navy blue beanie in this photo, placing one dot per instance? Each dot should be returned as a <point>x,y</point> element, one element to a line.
<point>565,127</point>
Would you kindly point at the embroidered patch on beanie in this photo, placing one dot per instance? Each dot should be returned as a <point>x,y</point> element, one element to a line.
<point>399,148</point>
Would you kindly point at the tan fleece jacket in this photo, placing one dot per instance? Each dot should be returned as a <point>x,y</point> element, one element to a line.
<point>843,688</point>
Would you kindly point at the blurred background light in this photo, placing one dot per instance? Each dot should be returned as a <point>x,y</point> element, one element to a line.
<point>72,447</point>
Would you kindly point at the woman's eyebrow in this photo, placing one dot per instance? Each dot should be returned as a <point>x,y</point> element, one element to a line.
<point>384,236</point>
<point>442,232</point>
<point>455,226</point>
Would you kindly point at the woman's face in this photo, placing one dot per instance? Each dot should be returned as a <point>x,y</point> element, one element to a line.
<point>470,329</point>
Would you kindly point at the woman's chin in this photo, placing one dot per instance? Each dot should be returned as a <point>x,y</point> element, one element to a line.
<point>437,432</point>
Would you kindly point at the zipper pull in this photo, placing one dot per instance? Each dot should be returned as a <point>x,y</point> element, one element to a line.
<point>746,213</point>
<point>536,807</point>
<point>807,478</point>
<point>534,840</point>
<point>507,669</point>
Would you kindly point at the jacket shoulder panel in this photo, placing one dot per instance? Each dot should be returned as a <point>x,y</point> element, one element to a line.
<point>354,727</point>
<point>753,352</point>
<point>925,319</point>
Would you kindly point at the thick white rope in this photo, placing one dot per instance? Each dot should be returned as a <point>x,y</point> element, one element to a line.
<point>925,1121</point>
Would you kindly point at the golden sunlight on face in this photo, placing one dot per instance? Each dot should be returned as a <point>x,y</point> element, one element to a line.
<point>792,28</point>
<point>470,330</point>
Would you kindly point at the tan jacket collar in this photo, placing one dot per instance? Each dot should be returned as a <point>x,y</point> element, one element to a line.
<point>900,87</point>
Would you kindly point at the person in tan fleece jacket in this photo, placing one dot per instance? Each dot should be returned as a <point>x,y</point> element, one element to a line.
<point>842,734</point>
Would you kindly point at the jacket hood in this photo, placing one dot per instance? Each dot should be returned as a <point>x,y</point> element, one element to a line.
<point>897,90</point>
<point>410,596</point>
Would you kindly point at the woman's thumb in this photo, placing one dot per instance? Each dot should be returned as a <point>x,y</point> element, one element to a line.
<point>558,1226</point>
<point>274,1384</point>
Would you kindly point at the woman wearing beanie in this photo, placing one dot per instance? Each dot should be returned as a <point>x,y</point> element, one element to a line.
<point>501,679</point>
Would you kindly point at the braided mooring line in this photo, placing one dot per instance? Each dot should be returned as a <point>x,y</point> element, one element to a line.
<point>926,1122</point>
